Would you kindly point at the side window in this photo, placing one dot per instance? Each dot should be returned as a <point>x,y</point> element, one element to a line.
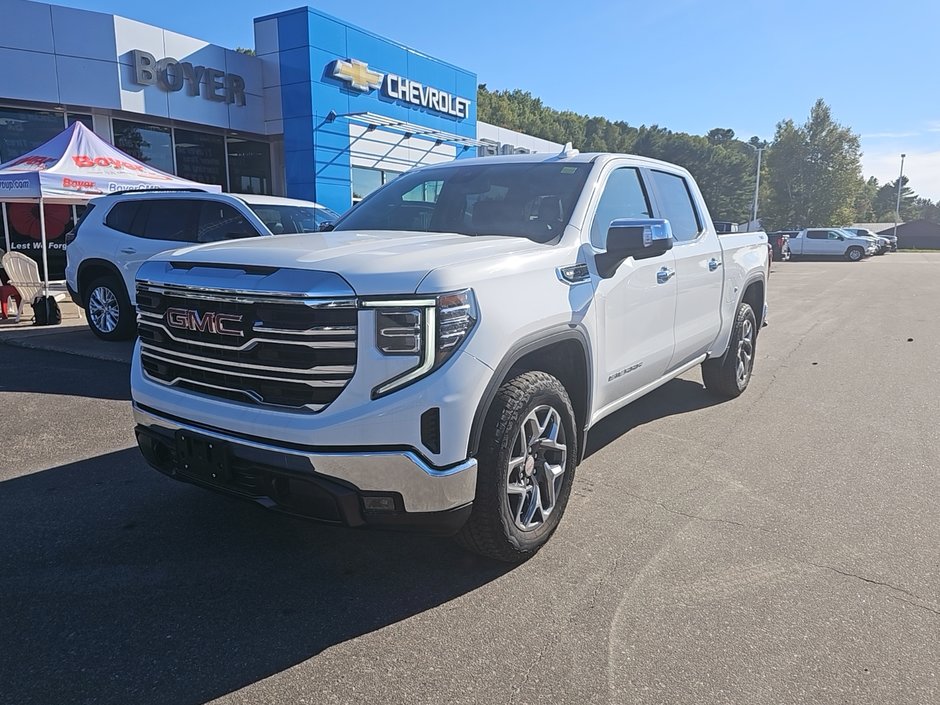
<point>219,221</point>
<point>623,197</point>
<point>816,234</point>
<point>425,192</point>
<point>677,206</point>
<point>833,235</point>
<point>121,216</point>
<point>164,219</point>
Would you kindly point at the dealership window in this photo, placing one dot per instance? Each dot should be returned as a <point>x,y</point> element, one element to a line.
<point>365,181</point>
<point>249,166</point>
<point>150,144</point>
<point>22,131</point>
<point>200,157</point>
<point>83,118</point>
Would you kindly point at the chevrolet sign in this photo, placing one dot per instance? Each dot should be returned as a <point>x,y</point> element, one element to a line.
<point>359,76</point>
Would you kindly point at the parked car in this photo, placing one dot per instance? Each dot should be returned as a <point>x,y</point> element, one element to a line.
<point>830,242</point>
<point>890,239</point>
<point>117,233</point>
<point>880,244</point>
<point>436,360</point>
<point>780,242</point>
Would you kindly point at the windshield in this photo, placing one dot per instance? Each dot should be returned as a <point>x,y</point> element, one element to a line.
<point>289,219</point>
<point>531,200</point>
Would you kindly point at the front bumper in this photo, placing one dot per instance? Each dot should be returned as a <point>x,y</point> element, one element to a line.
<point>328,486</point>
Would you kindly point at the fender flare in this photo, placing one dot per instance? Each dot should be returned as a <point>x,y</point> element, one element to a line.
<point>758,278</point>
<point>95,262</point>
<point>526,346</point>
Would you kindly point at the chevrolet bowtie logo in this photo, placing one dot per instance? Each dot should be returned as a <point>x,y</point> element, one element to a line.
<point>357,74</point>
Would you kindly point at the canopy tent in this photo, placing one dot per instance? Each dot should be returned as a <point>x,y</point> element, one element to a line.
<point>72,168</point>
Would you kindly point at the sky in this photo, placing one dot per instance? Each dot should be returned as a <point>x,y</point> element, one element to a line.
<point>687,65</point>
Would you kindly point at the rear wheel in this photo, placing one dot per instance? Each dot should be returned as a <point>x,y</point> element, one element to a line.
<point>854,254</point>
<point>728,376</point>
<point>108,308</point>
<point>526,469</point>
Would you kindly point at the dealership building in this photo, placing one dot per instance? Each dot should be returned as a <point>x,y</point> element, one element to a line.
<point>323,111</point>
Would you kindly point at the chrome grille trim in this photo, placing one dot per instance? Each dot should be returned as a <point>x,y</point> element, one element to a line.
<point>318,369</point>
<point>237,295</point>
<point>246,392</point>
<point>316,330</point>
<point>259,370</point>
<point>290,380</point>
<point>248,344</point>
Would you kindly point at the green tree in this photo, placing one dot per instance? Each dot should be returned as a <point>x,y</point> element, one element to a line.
<point>926,209</point>
<point>814,172</point>
<point>885,202</point>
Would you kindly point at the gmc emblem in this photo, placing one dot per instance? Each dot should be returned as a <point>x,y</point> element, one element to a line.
<point>208,322</point>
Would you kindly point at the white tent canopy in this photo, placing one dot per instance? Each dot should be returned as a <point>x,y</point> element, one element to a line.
<point>74,167</point>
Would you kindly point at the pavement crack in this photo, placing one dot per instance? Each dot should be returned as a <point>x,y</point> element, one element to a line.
<point>871,581</point>
<point>697,517</point>
<point>917,604</point>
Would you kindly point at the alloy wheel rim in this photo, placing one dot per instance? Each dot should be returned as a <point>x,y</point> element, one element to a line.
<point>745,352</point>
<point>536,468</point>
<point>854,254</point>
<point>103,309</point>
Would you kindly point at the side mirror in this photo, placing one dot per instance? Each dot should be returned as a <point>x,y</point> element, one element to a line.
<point>326,226</point>
<point>640,238</point>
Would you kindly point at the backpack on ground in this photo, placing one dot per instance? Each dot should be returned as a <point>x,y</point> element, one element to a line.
<point>46,311</point>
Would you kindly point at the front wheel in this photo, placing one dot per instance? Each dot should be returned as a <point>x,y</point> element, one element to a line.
<point>728,376</point>
<point>526,468</point>
<point>108,308</point>
<point>854,254</point>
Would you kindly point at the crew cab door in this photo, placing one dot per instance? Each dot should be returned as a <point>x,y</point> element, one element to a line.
<point>637,303</point>
<point>699,273</point>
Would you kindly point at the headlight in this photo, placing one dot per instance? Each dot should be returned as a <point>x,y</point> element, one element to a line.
<point>430,328</point>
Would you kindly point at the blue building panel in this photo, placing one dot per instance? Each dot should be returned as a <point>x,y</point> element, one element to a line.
<point>378,76</point>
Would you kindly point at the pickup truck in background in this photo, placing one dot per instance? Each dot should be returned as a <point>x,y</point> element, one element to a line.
<point>890,238</point>
<point>437,359</point>
<point>830,242</point>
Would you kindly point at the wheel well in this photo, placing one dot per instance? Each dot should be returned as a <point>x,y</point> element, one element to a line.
<point>754,295</point>
<point>565,360</point>
<point>90,271</point>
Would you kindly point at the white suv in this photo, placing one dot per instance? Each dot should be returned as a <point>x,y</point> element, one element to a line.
<point>118,233</point>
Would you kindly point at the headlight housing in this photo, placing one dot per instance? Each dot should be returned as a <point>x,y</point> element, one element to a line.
<point>431,328</point>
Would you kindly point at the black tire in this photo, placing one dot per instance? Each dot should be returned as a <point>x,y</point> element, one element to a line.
<point>107,292</point>
<point>721,374</point>
<point>491,530</point>
<point>855,254</point>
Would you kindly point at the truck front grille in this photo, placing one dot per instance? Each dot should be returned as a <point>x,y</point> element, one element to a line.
<point>292,352</point>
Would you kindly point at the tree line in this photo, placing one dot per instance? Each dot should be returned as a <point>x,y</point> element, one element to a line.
<point>811,174</point>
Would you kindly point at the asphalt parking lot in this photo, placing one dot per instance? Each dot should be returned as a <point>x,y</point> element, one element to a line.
<point>780,548</point>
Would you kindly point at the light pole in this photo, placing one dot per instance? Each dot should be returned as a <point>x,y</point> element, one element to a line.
<point>897,208</point>
<point>759,151</point>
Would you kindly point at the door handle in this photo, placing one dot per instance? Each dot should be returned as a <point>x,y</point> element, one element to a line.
<point>664,275</point>
<point>713,264</point>
<point>128,251</point>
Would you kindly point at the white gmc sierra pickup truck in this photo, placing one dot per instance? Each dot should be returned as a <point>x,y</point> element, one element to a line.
<point>437,359</point>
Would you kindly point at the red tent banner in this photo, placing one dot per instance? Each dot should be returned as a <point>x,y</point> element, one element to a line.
<point>77,165</point>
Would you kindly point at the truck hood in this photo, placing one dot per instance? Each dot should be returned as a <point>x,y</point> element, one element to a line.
<point>373,261</point>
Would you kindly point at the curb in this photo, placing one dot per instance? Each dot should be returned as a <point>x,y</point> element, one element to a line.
<point>29,342</point>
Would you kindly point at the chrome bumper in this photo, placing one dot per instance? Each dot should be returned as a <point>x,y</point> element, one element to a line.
<point>422,487</point>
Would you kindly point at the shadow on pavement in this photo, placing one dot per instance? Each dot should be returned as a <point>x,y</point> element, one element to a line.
<point>122,586</point>
<point>676,397</point>
<point>44,372</point>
